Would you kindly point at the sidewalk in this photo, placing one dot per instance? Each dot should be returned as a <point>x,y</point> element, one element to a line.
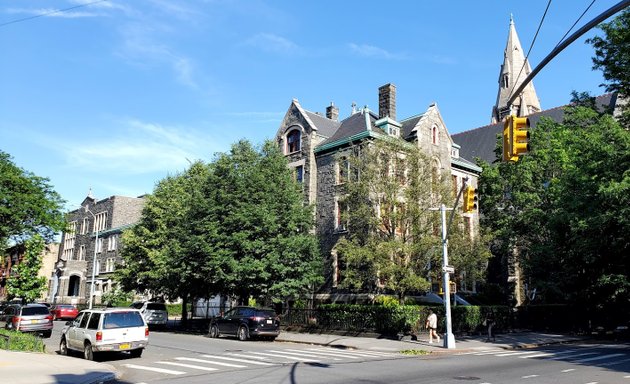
<point>45,368</point>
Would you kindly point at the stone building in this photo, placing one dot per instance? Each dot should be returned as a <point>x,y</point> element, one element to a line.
<point>313,143</point>
<point>92,245</point>
<point>13,257</point>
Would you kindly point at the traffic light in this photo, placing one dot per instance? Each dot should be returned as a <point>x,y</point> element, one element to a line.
<point>470,199</point>
<point>519,137</point>
<point>507,150</point>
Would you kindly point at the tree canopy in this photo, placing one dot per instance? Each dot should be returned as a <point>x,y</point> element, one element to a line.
<point>29,205</point>
<point>25,283</point>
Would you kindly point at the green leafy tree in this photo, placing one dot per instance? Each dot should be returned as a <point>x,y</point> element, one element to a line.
<point>394,242</point>
<point>28,205</point>
<point>253,228</point>
<point>25,282</point>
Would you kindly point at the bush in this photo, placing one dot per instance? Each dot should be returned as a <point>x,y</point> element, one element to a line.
<point>18,341</point>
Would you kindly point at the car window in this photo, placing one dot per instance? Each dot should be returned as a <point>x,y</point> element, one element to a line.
<point>230,313</point>
<point>32,311</point>
<point>94,319</point>
<point>247,312</point>
<point>137,305</point>
<point>84,320</point>
<point>156,306</point>
<point>9,310</point>
<point>77,319</point>
<point>122,320</point>
<point>265,313</point>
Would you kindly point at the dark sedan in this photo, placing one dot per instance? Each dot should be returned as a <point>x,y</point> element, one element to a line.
<point>246,322</point>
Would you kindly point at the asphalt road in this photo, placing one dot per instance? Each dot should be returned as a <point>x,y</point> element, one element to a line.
<point>182,358</point>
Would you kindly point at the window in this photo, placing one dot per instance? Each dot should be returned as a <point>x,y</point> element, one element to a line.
<point>109,264</point>
<point>293,141</point>
<point>82,253</point>
<point>435,135</point>
<point>342,216</point>
<point>111,243</point>
<point>299,173</point>
<point>505,80</point>
<point>342,174</point>
<point>68,253</point>
<point>97,270</point>
<point>100,221</point>
<point>68,241</point>
<point>99,245</point>
<point>401,171</point>
<point>84,320</point>
<point>84,227</point>
<point>338,266</point>
<point>94,320</point>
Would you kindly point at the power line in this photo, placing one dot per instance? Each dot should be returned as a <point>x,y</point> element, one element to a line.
<point>576,21</point>
<point>51,13</point>
<point>531,46</point>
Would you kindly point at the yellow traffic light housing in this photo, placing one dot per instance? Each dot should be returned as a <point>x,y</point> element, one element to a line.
<point>507,150</point>
<point>470,199</point>
<point>519,137</point>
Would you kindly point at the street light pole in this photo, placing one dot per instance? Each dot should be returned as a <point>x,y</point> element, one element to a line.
<point>94,259</point>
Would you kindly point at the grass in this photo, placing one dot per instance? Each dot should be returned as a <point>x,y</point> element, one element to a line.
<point>18,341</point>
<point>414,352</point>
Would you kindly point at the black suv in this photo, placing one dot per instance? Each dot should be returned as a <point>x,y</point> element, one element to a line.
<point>246,322</point>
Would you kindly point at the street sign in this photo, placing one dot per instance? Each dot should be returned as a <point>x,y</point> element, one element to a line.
<point>448,269</point>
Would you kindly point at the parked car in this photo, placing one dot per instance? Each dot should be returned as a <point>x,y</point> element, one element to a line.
<point>34,318</point>
<point>108,329</point>
<point>64,311</point>
<point>153,312</point>
<point>246,322</point>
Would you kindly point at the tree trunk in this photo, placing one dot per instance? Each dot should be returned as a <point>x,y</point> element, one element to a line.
<point>185,311</point>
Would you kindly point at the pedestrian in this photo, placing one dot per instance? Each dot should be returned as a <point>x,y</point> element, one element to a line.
<point>489,323</point>
<point>431,325</point>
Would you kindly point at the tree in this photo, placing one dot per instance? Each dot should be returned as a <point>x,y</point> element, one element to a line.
<point>25,282</point>
<point>28,205</point>
<point>393,242</point>
<point>253,228</point>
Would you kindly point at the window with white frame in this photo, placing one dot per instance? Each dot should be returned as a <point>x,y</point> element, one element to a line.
<point>85,226</point>
<point>97,269</point>
<point>68,253</point>
<point>341,216</point>
<point>109,264</point>
<point>100,221</point>
<point>68,240</point>
<point>99,245</point>
<point>111,243</point>
<point>81,253</point>
<point>294,138</point>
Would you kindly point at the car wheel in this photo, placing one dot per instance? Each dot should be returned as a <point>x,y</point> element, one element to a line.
<point>63,347</point>
<point>214,331</point>
<point>242,333</point>
<point>136,352</point>
<point>88,353</point>
<point>47,334</point>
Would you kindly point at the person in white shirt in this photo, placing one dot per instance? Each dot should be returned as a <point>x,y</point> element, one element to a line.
<point>431,325</point>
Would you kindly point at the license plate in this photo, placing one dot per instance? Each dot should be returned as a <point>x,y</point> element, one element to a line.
<point>269,321</point>
<point>34,321</point>
<point>125,346</point>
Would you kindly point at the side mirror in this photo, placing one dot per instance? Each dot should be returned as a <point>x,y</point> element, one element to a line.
<point>68,322</point>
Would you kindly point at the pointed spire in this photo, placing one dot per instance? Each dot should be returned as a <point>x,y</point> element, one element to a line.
<point>513,71</point>
<point>90,194</point>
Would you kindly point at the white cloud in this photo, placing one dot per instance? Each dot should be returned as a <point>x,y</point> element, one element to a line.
<point>273,43</point>
<point>51,12</point>
<point>372,51</point>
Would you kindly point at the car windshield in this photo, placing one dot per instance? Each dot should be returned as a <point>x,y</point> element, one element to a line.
<point>31,311</point>
<point>122,320</point>
<point>156,306</point>
<point>265,313</point>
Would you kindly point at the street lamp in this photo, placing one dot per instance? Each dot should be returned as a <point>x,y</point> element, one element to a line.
<point>93,260</point>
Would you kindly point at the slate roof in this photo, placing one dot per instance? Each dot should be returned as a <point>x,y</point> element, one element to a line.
<point>325,126</point>
<point>351,126</point>
<point>481,142</point>
<point>409,124</point>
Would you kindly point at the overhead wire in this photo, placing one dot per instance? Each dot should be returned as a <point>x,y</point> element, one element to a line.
<point>51,13</point>
<point>576,21</point>
<point>530,47</point>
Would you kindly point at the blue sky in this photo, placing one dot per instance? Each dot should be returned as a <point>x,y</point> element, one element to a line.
<point>118,94</point>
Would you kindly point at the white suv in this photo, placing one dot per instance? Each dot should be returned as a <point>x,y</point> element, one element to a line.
<point>107,329</point>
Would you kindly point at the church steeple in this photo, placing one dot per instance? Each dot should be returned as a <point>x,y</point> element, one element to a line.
<point>510,77</point>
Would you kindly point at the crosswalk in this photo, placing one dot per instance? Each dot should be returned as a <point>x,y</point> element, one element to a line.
<point>577,355</point>
<point>183,365</point>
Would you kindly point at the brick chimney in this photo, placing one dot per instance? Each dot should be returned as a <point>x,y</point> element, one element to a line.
<point>332,112</point>
<point>387,101</point>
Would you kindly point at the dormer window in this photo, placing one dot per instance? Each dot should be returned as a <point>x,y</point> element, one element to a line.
<point>294,141</point>
<point>393,131</point>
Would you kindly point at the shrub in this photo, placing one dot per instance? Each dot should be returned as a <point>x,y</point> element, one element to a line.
<point>18,341</point>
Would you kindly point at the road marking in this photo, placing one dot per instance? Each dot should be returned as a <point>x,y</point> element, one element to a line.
<point>238,360</point>
<point>598,358</point>
<point>626,377</point>
<point>286,356</point>
<point>529,377</point>
<point>538,355</point>
<point>492,352</point>
<point>357,353</point>
<point>159,370</point>
<point>568,370</point>
<point>210,362</point>
<point>187,365</point>
<point>516,353</point>
<point>593,382</point>
<point>327,353</point>
<point>303,354</point>
<point>248,356</point>
<point>573,356</point>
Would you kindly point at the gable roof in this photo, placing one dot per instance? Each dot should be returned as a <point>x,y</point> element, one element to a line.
<point>481,142</point>
<point>351,127</point>
<point>325,126</point>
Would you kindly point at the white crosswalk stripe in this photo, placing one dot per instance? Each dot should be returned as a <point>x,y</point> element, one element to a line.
<point>327,353</point>
<point>187,365</point>
<point>515,353</point>
<point>610,356</point>
<point>153,369</point>
<point>237,360</point>
<point>302,354</point>
<point>285,356</point>
<point>358,353</point>
<point>210,362</point>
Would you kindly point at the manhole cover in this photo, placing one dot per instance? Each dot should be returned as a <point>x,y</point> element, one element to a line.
<point>466,378</point>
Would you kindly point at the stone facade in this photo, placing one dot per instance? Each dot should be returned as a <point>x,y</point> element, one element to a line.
<point>323,140</point>
<point>70,281</point>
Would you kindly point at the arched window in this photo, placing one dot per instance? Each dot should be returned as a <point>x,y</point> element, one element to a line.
<point>435,135</point>
<point>294,141</point>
